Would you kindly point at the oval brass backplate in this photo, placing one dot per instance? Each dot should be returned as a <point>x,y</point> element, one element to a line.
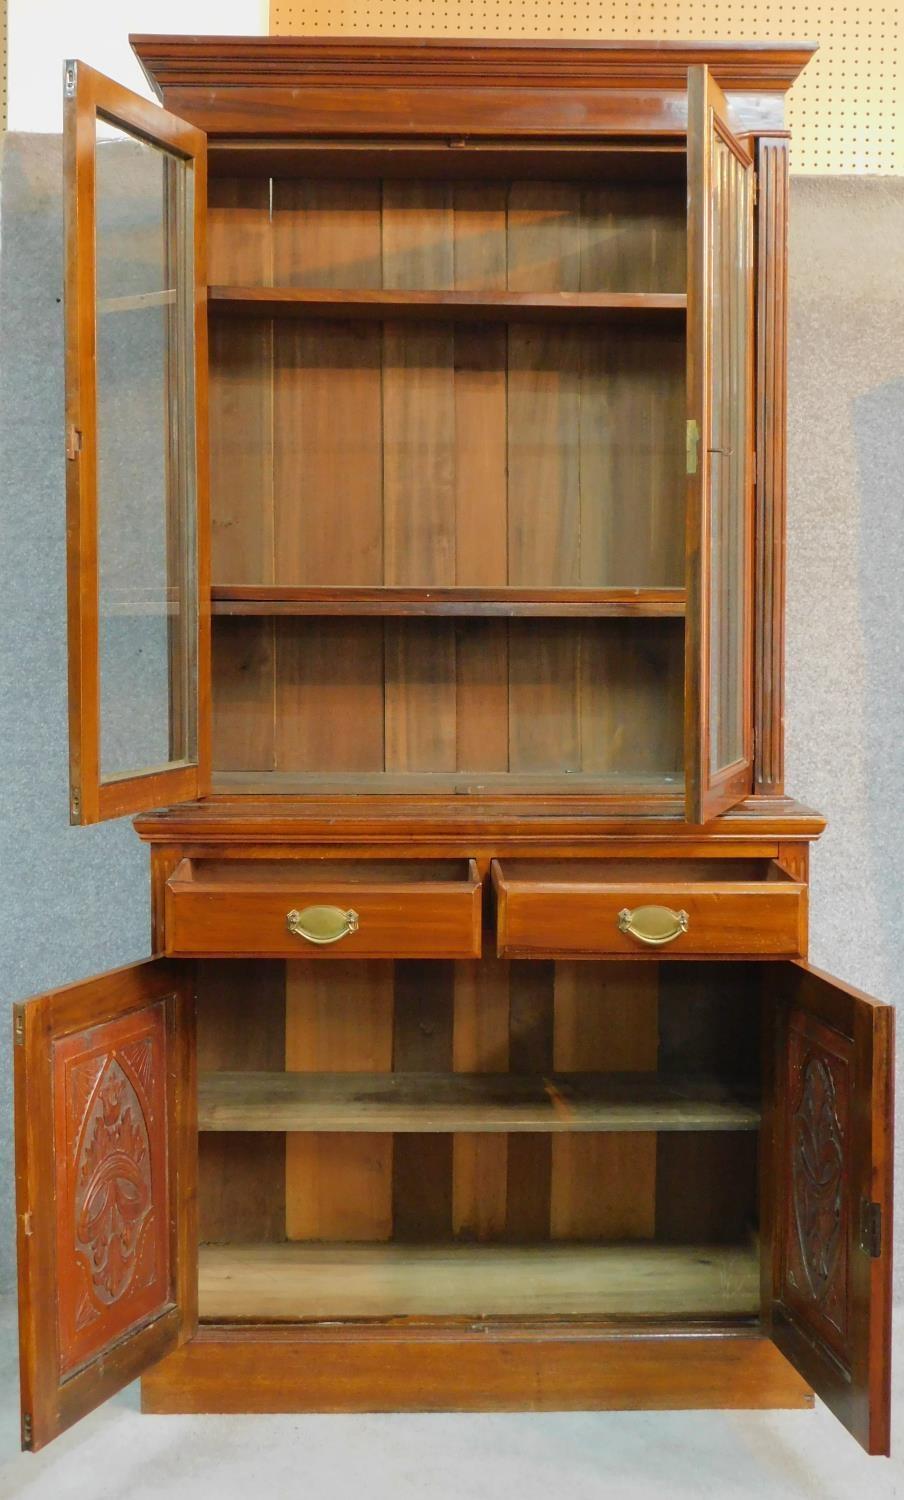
<point>322,924</point>
<point>654,925</point>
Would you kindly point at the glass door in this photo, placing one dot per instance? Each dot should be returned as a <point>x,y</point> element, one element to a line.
<point>719,452</point>
<point>136,451</point>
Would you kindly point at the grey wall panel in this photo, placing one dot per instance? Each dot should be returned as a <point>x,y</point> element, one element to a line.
<point>73,901</point>
<point>845,685</point>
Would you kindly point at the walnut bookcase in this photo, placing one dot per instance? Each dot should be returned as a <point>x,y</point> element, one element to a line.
<point>425,409</point>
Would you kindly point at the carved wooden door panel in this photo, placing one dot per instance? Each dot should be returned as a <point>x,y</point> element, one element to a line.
<point>105,1175</point>
<point>829,1282</point>
<point>719,624</point>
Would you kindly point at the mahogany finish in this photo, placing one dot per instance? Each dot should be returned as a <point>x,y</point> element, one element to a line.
<point>490,701</point>
<point>572,910</point>
<point>105,1105</point>
<point>493,1368</point>
<point>230,910</point>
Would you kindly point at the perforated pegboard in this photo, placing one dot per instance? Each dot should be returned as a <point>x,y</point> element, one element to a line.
<point>843,110</point>
<point>4,44</point>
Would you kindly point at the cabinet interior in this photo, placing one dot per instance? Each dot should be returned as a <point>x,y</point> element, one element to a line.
<point>448,520</point>
<point>481,1138</point>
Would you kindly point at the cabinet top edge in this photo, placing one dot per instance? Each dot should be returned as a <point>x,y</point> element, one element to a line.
<point>420,821</point>
<point>422,62</point>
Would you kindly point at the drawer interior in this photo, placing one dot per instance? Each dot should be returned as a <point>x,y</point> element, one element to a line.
<point>483,1138</point>
<point>640,872</point>
<point>289,874</point>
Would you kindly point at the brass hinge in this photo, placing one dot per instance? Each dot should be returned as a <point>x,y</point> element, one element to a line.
<point>26,1429</point>
<point>73,442</point>
<point>691,441</point>
<point>871,1228</point>
<point>69,78</point>
<point>756,188</point>
<point>19,1025</point>
<point>75,806</point>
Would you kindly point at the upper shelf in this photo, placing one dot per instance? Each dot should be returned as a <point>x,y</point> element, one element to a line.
<point>467,306</point>
<point>297,599</point>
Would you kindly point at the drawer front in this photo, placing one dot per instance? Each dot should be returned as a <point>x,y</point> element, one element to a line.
<point>326,920</point>
<point>664,921</point>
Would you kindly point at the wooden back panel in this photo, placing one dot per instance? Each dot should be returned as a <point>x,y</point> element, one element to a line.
<point>483,1016</point>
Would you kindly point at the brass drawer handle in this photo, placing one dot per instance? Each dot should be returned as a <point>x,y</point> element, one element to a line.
<point>322,924</point>
<point>654,925</point>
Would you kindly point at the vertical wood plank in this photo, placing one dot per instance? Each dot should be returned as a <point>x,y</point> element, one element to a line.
<point>480,255</point>
<point>240,387</point>
<point>606,1020</point>
<point>327,462</point>
<point>544,237</point>
<point>480,1045</point>
<point>329,695</point>
<point>327,234</point>
<point>633,237</point>
<point>419,490</point>
<point>482,695</point>
<point>631,697</point>
<point>241,1177</point>
<point>631,459</point>
<point>481,456</point>
<point>544,695</point>
<point>420,704</point>
<point>241,475</point>
<point>418,235</point>
<point>339,1019</point>
<point>479,229</point>
<point>543,455</point>
<point>422,1169</point>
<point>530,1052</point>
<point>243,694</point>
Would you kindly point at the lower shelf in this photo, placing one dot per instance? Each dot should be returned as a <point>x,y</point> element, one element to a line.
<point>295,1281</point>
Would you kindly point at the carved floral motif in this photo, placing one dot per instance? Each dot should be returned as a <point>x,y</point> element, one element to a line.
<point>817,1178</point>
<point>113,1184</point>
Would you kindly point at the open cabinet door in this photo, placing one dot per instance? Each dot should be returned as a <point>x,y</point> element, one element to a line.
<point>136,449</point>
<point>828,1286</point>
<point>106,1147</point>
<point>719,629</point>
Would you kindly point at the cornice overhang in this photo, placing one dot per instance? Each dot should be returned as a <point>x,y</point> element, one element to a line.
<point>224,62</point>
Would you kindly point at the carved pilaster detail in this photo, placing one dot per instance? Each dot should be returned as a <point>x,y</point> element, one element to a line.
<point>771,461</point>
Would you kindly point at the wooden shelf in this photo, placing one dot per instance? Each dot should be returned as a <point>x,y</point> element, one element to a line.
<point>466,306</point>
<point>293,1281</point>
<point>244,599</point>
<point>442,783</point>
<point>431,1103</point>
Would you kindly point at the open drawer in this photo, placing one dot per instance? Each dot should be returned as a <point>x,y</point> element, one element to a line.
<point>324,909</point>
<point>644,907</point>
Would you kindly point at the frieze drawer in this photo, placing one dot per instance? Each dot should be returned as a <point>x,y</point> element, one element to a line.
<point>324,909</point>
<point>647,908</point>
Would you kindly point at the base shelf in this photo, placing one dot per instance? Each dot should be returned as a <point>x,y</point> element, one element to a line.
<point>297,1281</point>
<point>442,783</point>
<point>433,1103</point>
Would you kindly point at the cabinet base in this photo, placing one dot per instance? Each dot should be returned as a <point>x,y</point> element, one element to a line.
<point>386,1369</point>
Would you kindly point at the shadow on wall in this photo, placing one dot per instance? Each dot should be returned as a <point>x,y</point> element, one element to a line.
<point>73,901</point>
<point>879,436</point>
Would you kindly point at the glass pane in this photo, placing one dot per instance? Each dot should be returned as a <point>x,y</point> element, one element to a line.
<point>147,563</point>
<point>728,467</point>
